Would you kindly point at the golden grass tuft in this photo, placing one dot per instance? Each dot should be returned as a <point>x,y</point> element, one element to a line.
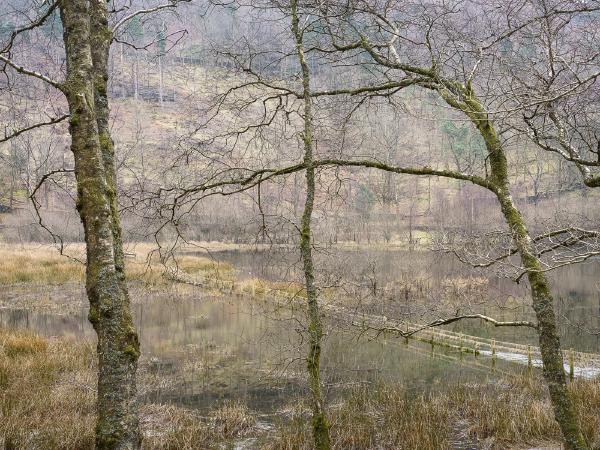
<point>233,419</point>
<point>22,343</point>
<point>259,286</point>
<point>197,264</point>
<point>43,265</point>
<point>167,427</point>
<point>37,264</point>
<point>586,395</point>
<point>47,392</point>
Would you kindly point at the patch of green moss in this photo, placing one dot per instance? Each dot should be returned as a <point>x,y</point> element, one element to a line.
<point>131,351</point>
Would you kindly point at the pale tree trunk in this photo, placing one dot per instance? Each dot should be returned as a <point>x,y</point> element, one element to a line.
<point>160,71</point>
<point>160,80</point>
<point>320,424</point>
<point>121,68</point>
<point>136,77</point>
<point>87,38</point>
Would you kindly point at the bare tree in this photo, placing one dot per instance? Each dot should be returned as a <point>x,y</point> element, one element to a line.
<point>559,105</point>
<point>315,327</point>
<point>425,46</point>
<point>453,76</point>
<point>434,58</point>
<point>87,37</point>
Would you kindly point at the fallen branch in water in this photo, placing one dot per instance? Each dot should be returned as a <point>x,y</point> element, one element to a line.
<point>440,322</point>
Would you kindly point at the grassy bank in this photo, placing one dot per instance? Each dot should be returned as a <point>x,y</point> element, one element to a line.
<point>47,390</point>
<point>47,396</point>
<point>40,264</point>
<point>512,415</point>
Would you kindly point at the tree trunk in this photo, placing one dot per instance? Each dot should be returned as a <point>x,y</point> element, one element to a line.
<point>315,326</point>
<point>87,38</point>
<point>543,303</point>
<point>160,80</point>
<point>136,77</point>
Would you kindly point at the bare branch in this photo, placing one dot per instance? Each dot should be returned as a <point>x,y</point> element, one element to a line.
<point>32,73</point>
<point>447,321</point>
<point>124,20</point>
<point>32,127</point>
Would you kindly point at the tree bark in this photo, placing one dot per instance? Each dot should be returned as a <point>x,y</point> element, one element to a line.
<point>87,40</point>
<point>320,423</point>
<point>543,302</point>
<point>463,98</point>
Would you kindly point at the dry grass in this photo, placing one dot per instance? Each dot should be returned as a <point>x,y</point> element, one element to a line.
<point>516,412</point>
<point>587,398</point>
<point>47,395</point>
<point>519,412</point>
<point>35,264</point>
<point>44,265</point>
<point>233,419</point>
<point>513,414</point>
<point>167,427</point>
<point>259,286</point>
<point>47,398</point>
<point>385,418</point>
<point>20,343</point>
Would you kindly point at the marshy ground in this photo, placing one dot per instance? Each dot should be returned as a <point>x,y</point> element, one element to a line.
<point>219,373</point>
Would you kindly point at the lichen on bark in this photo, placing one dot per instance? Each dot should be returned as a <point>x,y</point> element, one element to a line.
<point>320,424</point>
<point>542,300</point>
<point>87,39</point>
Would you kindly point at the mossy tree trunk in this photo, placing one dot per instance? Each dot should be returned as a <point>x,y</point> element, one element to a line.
<point>320,424</point>
<point>463,98</point>
<point>87,39</point>
<point>542,300</point>
<point>549,340</point>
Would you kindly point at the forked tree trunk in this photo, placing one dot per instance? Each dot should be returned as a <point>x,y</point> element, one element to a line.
<point>87,37</point>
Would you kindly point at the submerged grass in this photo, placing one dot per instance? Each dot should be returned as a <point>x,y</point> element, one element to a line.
<point>261,287</point>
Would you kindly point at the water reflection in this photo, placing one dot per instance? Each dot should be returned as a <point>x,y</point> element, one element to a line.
<point>575,288</point>
<point>214,349</point>
<point>211,349</point>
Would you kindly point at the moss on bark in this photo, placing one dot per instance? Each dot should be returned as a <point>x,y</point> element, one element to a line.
<point>320,425</point>
<point>549,340</point>
<point>86,37</point>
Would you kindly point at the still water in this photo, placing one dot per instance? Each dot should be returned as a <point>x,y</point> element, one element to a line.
<point>216,348</point>
<point>576,289</point>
